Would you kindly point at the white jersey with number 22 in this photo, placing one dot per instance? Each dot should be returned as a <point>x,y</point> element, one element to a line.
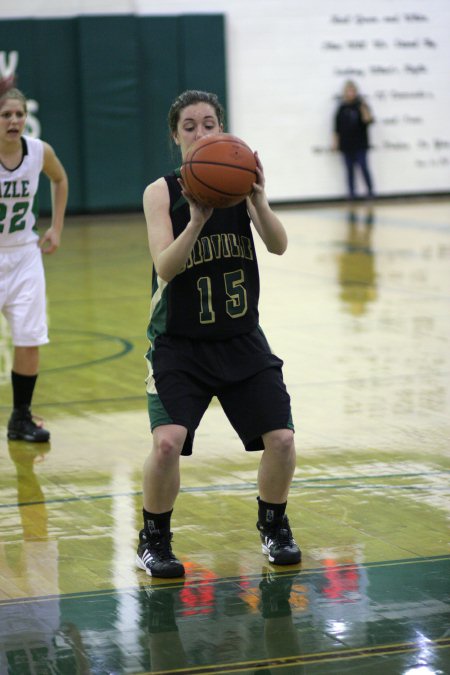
<point>18,196</point>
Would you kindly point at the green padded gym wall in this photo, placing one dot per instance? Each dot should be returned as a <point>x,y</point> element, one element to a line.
<point>100,88</point>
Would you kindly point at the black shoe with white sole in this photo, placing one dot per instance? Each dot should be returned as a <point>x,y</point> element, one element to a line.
<point>278,543</point>
<point>155,555</point>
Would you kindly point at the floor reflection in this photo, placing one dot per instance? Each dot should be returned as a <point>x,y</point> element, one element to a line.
<point>350,613</point>
<point>357,307</point>
<point>28,628</point>
<point>357,273</point>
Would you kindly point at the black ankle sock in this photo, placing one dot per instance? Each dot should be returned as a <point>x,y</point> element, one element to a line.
<point>23,388</point>
<point>270,514</point>
<point>156,521</point>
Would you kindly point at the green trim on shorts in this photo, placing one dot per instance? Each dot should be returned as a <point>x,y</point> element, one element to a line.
<point>156,411</point>
<point>290,424</point>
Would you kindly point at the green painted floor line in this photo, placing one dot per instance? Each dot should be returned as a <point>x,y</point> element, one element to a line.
<point>194,583</point>
<point>304,483</point>
<point>376,476</point>
<point>88,401</point>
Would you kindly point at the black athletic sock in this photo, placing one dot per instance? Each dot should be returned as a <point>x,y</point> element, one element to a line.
<point>23,388</point>
<point>270,514</point>
<point>156,521</point>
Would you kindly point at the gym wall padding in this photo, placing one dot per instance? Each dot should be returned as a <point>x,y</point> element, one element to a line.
<point>103,85</point>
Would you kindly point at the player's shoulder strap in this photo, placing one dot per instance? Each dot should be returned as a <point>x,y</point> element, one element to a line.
<point>34,147</point>
<point>176,198</point>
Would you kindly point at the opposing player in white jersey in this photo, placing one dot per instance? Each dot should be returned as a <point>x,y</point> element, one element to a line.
<point>22,280</point>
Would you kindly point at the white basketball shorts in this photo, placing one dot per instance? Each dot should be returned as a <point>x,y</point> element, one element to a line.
<point>22,294</point>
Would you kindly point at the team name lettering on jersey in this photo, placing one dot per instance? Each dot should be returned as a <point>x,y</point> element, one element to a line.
<point>14,189</point>
<point>217,246</point>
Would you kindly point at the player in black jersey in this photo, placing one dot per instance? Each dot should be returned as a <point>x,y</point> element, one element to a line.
<point>205,341</point>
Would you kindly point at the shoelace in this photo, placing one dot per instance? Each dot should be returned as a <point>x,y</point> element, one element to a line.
<point>162,544</point>
<point>283,535</point>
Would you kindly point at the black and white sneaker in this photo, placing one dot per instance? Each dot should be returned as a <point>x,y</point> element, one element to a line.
<point>155,556</point>
<point>278,543</point>
<point>23,427</point>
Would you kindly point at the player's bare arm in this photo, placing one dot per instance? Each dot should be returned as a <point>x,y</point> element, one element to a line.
<point>169,254</point>
<point>266,222</point>
<point>55,172</point>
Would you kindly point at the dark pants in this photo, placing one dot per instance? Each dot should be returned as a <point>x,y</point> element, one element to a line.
<point>357,158</point>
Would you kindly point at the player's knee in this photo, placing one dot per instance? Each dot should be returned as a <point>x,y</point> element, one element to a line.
<point>281,441</point>
<point>168,448</point>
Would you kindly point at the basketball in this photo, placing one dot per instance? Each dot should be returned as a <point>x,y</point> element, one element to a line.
<point>219,170</point>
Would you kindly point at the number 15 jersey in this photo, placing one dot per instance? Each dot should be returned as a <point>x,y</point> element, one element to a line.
<point>215,295</point>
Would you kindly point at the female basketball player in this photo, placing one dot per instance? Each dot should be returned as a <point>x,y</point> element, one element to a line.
<point>205,341</point>
<point>22,282</point>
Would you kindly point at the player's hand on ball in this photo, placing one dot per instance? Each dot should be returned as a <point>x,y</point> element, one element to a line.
<point>199,211</point>
<point>258,191</point>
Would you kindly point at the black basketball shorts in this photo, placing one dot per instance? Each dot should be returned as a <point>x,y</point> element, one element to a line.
<point>242,373</point>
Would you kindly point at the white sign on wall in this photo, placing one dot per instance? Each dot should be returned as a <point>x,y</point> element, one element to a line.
<point>400,59</point>
<point>288,65</point>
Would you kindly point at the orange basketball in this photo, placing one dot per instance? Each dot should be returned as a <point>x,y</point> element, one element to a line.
<point>219,170</point>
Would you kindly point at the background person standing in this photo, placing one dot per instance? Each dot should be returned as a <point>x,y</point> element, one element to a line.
<point>351,123</point>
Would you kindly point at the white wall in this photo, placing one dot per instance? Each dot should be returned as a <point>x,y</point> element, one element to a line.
<point>287,61</point>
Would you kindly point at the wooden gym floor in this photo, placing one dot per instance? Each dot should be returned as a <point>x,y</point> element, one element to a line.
<point>359,310</point>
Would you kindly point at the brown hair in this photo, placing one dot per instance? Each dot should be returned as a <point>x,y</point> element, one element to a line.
<point>190,97</point>
<point>8,90</point>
